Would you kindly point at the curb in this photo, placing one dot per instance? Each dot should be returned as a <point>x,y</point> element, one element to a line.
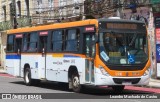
<point>2,72</point>
<point>6,75</point>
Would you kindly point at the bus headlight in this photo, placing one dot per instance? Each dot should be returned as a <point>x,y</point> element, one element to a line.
<point>147,72</point>
<point>104,72</point>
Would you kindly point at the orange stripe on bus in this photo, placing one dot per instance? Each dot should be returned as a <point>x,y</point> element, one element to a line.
<point>54,26</point>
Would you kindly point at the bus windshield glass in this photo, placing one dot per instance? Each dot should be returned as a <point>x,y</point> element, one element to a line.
<point>123,48</point>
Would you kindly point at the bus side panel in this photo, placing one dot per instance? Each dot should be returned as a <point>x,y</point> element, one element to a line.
<point>32,61</point>
<point>41,67</point>
<point>58,66</point>
<point>78,63</point>
<point>51,71</point>
<point>12,64</point>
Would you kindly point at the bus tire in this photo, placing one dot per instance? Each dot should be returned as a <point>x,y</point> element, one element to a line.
<point>76,87</point>
<point>27,77</point>
<point>118,89</point>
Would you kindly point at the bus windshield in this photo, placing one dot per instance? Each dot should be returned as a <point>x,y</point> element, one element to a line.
<point>123,48</point>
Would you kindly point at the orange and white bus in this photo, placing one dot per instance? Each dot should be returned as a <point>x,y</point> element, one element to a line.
<point>98,52</point>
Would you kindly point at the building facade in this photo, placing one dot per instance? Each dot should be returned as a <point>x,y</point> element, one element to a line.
<point>23,13</point>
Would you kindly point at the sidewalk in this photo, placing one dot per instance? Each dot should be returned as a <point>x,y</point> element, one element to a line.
<point>2,70</point>
<point>154,83</point>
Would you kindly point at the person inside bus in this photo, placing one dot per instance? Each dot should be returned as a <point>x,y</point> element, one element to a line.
<point>112,44</point>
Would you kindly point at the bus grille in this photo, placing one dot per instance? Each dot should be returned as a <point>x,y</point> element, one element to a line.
<point>121,80</point>
<point>126,67</point>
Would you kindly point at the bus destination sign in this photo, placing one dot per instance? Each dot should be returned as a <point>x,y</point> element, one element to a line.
<point>121,26</point>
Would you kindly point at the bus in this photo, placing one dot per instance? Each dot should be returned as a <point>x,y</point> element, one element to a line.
<point>93,52</point>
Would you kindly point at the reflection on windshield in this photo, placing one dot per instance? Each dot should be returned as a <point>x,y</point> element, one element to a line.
<point>123,48</point>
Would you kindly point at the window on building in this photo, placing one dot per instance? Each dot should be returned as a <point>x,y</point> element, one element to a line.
<point>10,43</point>
<point>27,7</point>
<point>50,2</point>
<point>4,12</point>
<point>39,6</point>
<point>11,11</point>
<point>19,8</point>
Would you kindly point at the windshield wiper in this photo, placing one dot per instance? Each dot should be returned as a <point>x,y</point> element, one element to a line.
<point>133,39</point>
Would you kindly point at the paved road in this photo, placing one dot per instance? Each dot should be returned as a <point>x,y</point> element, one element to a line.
<point>62,94</point>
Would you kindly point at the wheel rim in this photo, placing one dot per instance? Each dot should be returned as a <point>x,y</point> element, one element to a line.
<point>76,82</point>
<point>27,77</point>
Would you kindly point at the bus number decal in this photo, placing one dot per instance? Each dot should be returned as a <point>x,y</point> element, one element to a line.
<point>66,61</point>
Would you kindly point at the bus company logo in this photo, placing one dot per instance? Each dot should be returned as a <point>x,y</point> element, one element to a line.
<point>57,63</point>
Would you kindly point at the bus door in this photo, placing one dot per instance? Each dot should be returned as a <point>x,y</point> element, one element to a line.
<point>42,49</point>
<point>18,45</point>
<point>90,53</point>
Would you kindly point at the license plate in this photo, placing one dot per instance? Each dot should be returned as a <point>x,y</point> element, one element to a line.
<point>126,83</point>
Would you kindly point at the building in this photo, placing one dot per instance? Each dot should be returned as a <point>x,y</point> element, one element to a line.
<point>23,13</point>
<point>14,13</point>
<point>156,17</point>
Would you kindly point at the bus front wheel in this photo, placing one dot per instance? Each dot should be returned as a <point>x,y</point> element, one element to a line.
<point>76,83</point>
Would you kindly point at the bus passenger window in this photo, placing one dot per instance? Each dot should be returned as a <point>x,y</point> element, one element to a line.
<point>72,40</point>
<point>33,42</point>
<point>30,42</point>
<point>56,41</point>
<point>10,43</point>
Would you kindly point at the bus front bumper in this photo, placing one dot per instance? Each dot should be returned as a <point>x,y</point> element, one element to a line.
<point>101,79</point>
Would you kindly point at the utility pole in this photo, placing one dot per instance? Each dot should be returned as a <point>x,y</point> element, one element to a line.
<point>13,13</point>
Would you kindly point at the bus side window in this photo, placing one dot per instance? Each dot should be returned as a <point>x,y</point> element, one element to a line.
<point>25,42</point>
<point>30,42</point>
<point>78,39</point>
<point>33,42</point>
<point>56,40</point>
<point>72,43</point>
<point>10,43</point>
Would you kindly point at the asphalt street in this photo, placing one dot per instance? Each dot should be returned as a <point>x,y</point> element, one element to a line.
<point>60,93</point>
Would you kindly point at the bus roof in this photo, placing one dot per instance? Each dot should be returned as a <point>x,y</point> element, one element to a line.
<point>54,26</point>
<point>119,20</point>
<point>68,24</point>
